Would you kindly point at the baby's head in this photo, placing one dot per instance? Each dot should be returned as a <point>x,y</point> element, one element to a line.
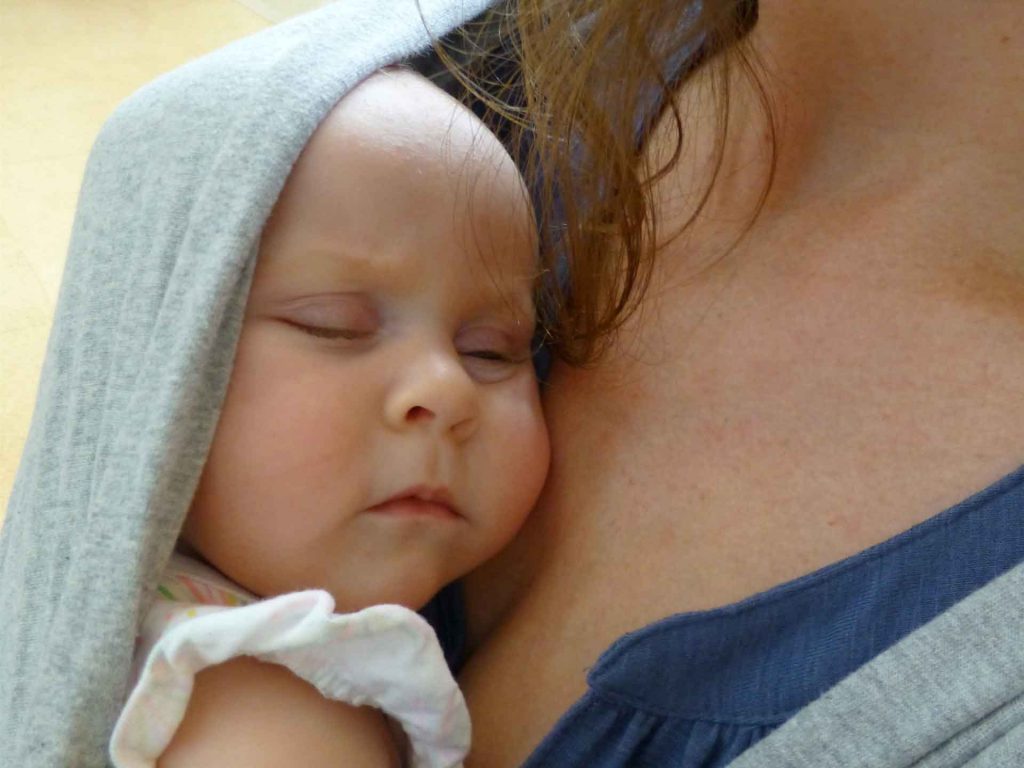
<point>382,432</point>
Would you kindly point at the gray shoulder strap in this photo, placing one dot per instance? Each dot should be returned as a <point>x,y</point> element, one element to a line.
<point>949,694</point>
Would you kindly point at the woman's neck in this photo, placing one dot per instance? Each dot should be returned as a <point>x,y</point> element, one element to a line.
<point>870,91</point>
<point>890,118</point>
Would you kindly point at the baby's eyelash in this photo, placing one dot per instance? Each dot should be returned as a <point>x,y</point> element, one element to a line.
<point>330,333</point>
<point>493,356</point>
<point>487,354</point>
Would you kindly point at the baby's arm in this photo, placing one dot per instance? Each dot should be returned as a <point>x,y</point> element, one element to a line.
<point>249,713</point>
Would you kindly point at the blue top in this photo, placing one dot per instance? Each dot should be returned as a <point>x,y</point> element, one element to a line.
<point>697,689</point>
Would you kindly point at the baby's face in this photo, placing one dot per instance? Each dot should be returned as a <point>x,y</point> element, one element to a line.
<point>382,433</point>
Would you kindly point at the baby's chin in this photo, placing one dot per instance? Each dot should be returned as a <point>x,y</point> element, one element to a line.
<point>348,600</point>
<point>351,591</point>
<point>355,591</point>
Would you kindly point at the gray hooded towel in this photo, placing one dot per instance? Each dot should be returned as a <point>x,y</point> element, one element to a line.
<point>178,186</point>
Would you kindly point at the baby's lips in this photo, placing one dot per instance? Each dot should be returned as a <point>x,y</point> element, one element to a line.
<point>420,499</point>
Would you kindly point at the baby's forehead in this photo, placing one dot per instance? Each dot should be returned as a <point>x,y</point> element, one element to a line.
<point>400,171</point>
<point>398,110</point>
<point>400,142</point>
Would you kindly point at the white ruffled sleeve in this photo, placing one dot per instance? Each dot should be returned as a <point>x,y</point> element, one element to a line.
<point>385,656</point>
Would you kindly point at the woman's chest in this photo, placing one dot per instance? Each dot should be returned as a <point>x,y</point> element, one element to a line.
<point>598,571</point>
<point>727,448</point>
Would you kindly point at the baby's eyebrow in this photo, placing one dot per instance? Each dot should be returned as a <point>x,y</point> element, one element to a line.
<point>335,253</point>
<point>332,262</point>
<point>518,309</point>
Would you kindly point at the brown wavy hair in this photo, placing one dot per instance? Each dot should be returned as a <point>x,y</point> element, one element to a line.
<point>572,87</point>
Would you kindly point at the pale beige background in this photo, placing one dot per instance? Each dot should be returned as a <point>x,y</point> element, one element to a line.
<point>64,66</point>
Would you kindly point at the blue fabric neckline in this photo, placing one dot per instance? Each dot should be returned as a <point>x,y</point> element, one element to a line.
<point>699,688</point>
<point>798,624</point>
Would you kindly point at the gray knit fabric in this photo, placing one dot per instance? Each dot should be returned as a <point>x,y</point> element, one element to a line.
<point>950,694</point>
<point>176,191</point>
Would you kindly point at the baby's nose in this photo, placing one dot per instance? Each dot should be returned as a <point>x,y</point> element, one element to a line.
<point>436,393</point>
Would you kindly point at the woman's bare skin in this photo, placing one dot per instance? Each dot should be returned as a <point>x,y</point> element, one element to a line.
<point>852,368</point>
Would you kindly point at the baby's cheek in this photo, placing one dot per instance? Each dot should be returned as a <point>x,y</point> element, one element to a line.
<point>540,464</point>
<point>524,459</point>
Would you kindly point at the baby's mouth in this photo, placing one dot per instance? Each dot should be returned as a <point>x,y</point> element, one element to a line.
<point>420,501</point>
